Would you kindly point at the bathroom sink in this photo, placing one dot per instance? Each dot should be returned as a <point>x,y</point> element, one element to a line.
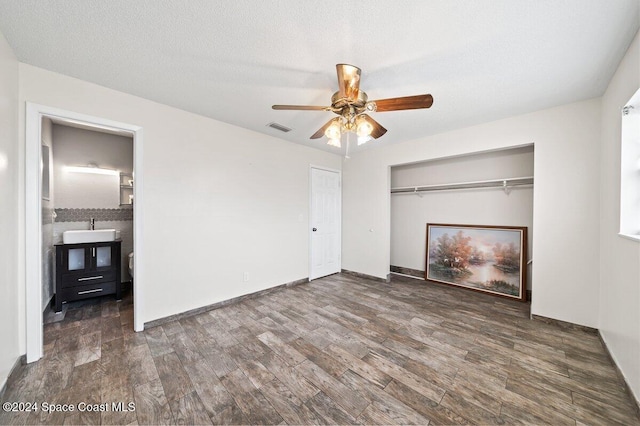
<point>88,236</point>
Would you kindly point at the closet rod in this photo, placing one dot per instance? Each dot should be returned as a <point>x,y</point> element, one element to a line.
<point>494,183</point>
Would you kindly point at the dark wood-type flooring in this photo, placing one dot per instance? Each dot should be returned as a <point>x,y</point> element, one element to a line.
<point>339,350</point>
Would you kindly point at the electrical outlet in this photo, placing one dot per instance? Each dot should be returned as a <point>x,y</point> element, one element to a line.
<point>245,277</point>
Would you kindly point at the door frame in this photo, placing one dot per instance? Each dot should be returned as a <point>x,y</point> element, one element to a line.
<point>33,216</point>
<point>310,232</point>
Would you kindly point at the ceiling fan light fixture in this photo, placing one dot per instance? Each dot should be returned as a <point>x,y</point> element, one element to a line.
<point>333,131</point>
<point>352,105</point>
<point>363,127</point>
<point>334,142</point>
<point>363,139</point>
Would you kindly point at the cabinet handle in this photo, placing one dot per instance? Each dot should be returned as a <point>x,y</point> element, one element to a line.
<point>90,278</point>
<point>93,250</point>
<point>97,290</point>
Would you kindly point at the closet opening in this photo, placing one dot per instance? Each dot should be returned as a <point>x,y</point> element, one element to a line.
<point>493,189</point>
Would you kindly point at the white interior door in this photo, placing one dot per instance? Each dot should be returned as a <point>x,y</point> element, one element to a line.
<point>325,223</point>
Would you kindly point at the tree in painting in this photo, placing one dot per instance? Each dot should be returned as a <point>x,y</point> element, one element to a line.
<point>452,254</point>
<point>507,257</point>
<point>477,257</point>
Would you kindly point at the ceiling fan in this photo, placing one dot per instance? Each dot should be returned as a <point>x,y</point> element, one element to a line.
<point>352,105</point>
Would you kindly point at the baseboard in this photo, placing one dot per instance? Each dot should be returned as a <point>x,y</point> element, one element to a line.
<point>217,305</point>
<point>366,276</point>
<point>407,271</point>
<point>564,324</point>
<point>621,376</point>
<point>48,304</point>
<point>413,277</point>
<point>20,361</point>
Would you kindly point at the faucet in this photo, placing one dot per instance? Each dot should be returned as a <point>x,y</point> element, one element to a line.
<point>92,224</point>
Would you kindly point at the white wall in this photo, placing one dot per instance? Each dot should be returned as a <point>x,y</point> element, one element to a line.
<point>79,147</point>
<point>9,249</point>
<point>620,258</point>
<point>565,210</point>
<point>219,200</point>
<point>488,206</point>
<point>515,162</point>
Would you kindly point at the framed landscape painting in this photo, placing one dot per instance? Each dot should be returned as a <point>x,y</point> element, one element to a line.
<point>490,259</point>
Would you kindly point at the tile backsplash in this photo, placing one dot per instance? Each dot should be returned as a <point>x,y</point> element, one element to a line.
<point>84,215</point>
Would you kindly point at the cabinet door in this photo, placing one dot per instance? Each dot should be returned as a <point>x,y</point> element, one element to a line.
<point>77,259</point>
<point>103,256</point>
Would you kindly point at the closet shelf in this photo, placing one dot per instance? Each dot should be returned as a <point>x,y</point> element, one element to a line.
<point>504,184</point>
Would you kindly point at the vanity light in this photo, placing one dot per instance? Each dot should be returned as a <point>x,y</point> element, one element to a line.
<point>91,168</point>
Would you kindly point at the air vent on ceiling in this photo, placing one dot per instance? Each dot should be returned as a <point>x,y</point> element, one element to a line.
<point>279,127</point>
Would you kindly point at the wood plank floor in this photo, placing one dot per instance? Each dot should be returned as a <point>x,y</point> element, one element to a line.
<point>339,350</point>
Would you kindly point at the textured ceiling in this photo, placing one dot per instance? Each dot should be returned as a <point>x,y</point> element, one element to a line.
<point>231,60</point>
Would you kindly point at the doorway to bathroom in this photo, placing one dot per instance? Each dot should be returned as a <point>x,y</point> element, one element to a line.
<point>89,183</point>
<point>68,145</point>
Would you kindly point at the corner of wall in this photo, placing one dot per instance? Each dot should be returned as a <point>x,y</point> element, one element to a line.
<point>619,259</point>
<point>10,253</point>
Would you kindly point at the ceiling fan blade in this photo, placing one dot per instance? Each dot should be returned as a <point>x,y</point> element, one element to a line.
<point>407,102</point>
<point>302,107</point>
<point>378,130</point>
<point>348,81</point>
<point>320,132</point>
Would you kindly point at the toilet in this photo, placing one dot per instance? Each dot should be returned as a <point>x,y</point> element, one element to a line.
<point>131,265</point>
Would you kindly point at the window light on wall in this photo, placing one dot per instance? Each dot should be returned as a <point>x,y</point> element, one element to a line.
<point>630,169</point>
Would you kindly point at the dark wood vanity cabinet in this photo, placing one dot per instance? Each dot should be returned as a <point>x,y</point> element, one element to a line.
<point>87,270</point>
